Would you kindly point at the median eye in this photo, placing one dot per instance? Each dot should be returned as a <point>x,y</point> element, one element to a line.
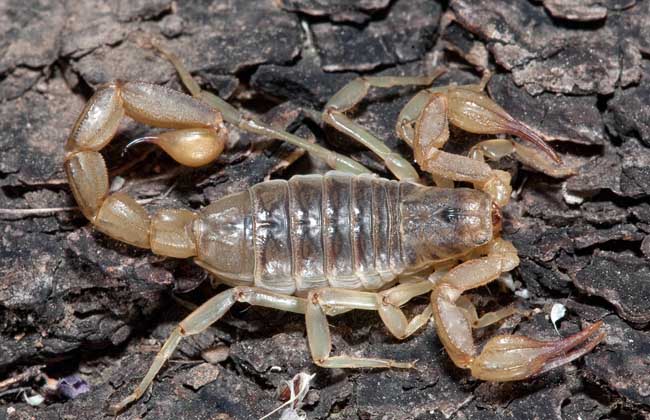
<point>449,215</point>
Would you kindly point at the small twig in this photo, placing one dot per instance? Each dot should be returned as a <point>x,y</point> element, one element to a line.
<point>45,183</point>
<point>185,362</point>
<point>21,377</point>
<point>35,212</point>
<point>15,391</point>
<point>158,197</point>
<point>185,304</point>
<point>162,177</point>
<point>131,163</point>
<point>59,181</point>
<point>112,173</point>
<point>48,210</point>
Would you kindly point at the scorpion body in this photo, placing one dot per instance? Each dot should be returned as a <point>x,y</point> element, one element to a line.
<point>323,245</point>
<point>338,230</point>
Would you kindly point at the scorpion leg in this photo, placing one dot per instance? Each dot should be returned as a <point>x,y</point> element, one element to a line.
<point>409,115</point>
<point>389,303</point>
<point>405,129</point>
<point>204,316</point>
<point>328,301</point>
<point>233,116</point>
<point>488,318</point>
<point>504,357</point>
<point>431,132</point>
<point>349,96</point>
<point>482,84</point>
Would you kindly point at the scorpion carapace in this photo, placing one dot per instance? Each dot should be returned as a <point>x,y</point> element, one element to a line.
<point>323,245</point>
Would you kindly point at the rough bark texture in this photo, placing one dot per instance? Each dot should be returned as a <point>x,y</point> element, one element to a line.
<point>80,303</point>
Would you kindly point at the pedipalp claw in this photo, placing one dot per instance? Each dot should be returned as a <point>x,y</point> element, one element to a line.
<point>477,113</point>
<point>511,358</point>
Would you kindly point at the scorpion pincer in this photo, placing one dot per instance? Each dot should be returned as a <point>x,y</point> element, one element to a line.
<point>323,245</point>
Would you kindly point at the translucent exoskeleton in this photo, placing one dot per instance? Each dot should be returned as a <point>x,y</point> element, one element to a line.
<point>323,245</point>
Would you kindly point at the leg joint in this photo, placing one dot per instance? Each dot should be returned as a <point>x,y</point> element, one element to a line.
<point>314,297</point>
<point>242,293</point>
<point>385,299</point>
<point>329,112</point>
<point>181,330</point>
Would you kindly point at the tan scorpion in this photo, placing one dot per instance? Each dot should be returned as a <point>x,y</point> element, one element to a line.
<point>324,245</point>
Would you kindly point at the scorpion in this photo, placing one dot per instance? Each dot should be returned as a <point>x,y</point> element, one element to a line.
<point>322,245</point>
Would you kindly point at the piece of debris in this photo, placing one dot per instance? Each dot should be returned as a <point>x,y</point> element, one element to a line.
<point>570,197</point>
<point>292,398</point>
<point>34,400</point>
<point>72,386</point>
<point>216,354</point>
<point>201,375</point>
<point>557,313</point>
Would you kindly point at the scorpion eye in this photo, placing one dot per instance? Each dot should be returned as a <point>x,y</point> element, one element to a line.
<point>451,215</point>
<point>448,215</point>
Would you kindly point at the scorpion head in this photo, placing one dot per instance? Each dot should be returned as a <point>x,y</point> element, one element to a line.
<point>440,223</point>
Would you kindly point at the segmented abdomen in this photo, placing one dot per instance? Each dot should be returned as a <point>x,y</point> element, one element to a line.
<point>312,231</point>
